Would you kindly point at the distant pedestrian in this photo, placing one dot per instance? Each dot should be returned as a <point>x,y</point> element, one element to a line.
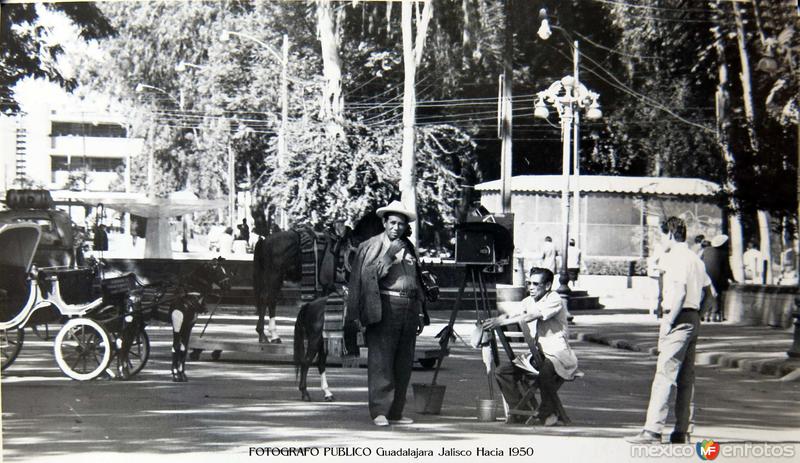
<point>134,231</point>
<point>753,264</point>
<point>685,283</point>
<point>226,241</point>
<point>573,262</point>
<point>244,231</point>
<point>717,263</point>
<point>547,256</point>
<point>100,238</point>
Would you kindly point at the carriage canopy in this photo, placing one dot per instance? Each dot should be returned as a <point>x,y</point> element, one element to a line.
<point>18,243</point>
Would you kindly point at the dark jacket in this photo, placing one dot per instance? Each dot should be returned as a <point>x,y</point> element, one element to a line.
<point>718,266</point>
<point>363,296</point>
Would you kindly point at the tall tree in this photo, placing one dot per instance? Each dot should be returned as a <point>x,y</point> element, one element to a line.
<point>25,49</point>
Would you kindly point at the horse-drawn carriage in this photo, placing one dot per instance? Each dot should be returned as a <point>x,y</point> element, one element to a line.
<point>104,319</point>
<point>29,296</point>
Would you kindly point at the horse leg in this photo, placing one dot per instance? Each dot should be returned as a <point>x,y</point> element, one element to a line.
<point>129,330</point>
<point>178,347</point>
<point>261,310</point>
<point>186,333</point>
<point>303,386</point>
<point>321,364</point>
<point>272,303</point>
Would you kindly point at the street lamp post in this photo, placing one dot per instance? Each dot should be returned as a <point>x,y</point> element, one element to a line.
<point>566,96</point>
<point>283,57</point>
<point>544,33</point>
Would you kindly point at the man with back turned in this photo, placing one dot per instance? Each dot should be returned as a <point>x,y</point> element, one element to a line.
<point>685,284</point>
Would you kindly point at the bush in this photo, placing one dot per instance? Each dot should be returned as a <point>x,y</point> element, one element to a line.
<point>623,266</point>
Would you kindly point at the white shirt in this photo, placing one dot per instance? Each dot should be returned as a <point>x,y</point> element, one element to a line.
<point>549,256</point>
<point>573,257</point>
<point>683,268</point>
<point>553,333</point>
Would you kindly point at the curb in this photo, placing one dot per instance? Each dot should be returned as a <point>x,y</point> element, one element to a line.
<point>784,369</point>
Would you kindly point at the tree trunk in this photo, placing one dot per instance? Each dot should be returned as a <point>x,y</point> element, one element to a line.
<point>766,248</point>
<point>746,78</point>
<point>723,125</point>
<point>466,37</point>
<point>332,104</point>
<point>412,55</point>
<point>749,111</point>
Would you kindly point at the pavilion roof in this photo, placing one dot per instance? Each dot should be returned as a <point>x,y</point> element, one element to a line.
<point>669,186</point>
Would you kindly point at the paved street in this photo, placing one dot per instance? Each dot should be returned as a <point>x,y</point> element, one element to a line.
<point>230,406</point>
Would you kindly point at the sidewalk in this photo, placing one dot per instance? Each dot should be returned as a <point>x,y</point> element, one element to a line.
<point>755,349</point>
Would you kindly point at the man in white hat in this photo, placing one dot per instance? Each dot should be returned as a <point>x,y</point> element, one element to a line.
<point>385,295</point>
<point>718,267</point>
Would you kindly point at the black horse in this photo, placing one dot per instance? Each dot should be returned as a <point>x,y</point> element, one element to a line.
<point>309,344</point>
<point>177,303</point>
<point>279,257</point>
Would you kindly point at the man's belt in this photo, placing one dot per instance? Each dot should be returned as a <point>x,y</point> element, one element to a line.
<point>409,294</point>
<point>685,309</point>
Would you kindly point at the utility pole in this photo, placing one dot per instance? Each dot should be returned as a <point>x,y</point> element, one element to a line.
<point>576,228</point>
<point>231,187</point>
<point>282,151</point>
<point>506,93</point>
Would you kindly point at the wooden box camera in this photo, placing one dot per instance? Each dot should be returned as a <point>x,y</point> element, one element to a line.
<point>475,247</point>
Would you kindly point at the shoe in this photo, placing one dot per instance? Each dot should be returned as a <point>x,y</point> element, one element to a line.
<point>381,420</point>
<point>402,420</point>
<point>645,437</point>
<point>551,420</point>
<point>516,419</point>
<point>679,438</point>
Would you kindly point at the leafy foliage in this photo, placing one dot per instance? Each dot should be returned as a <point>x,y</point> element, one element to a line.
<point>27,52</point>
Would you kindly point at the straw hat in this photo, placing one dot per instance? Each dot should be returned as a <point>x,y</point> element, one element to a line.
<point>398,208</point>
<point>719,240</point>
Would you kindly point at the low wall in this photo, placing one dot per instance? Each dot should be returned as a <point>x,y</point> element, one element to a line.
<point>154,270</point>
<point>767,305</point>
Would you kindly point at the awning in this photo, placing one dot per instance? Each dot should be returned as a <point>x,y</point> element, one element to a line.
<point>668,186</point>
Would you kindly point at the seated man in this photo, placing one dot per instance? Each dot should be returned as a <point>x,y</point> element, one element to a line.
<point>545,315</point>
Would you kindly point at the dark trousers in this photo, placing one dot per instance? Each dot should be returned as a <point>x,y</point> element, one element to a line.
<point>509,376</point>
<point>391,344</point>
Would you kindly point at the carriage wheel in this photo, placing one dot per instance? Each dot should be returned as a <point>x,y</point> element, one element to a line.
<point>83,349</point>
<point>139,353</point>
<point>10,345</point>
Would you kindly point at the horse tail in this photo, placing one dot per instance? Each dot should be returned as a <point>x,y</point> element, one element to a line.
<point>299,340</point>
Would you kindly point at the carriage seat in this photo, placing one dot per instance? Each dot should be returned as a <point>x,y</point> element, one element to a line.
<point>14,289</point>
<point>75,284</point>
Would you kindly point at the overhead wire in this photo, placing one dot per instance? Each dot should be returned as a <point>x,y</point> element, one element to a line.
<point>653,8</point>
<point>622,86</point>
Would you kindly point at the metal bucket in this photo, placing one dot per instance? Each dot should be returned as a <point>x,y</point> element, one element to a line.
<point>487,410</point>
<point>428,398</point>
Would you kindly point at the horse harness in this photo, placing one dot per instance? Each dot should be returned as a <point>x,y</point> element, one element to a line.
<point>314,247</point>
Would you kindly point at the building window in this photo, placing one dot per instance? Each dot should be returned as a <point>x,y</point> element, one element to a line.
<point>77,163</point>
<point>79,129</point>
